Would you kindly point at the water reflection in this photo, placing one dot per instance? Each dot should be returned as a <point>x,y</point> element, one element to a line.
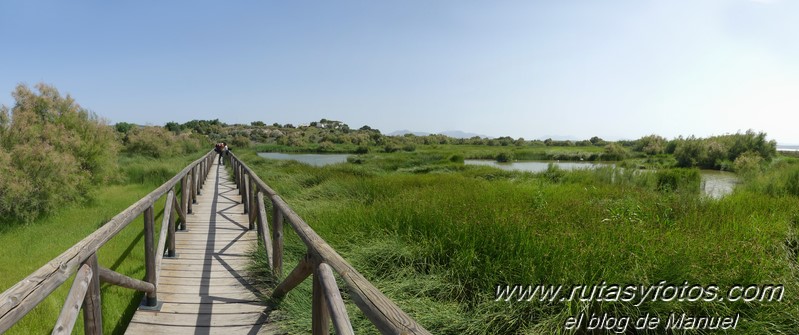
<point>715,184</point>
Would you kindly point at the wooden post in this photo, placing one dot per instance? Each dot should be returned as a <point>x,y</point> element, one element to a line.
<point>277,240</point>
<point>194,180</point>
<point>92,304</point>
<point>240,182</point>
<point>235,168</point>
<point>245,195</point>
<point>170,247</point>
<point>320,317</point>
<point>202,174</point>
<point>71,309</point>
<point>181,212</point>
<point>263,229</point>
<point>252,207</point>
<point>335,304</point>
<point>184,195</point>
<point>149,254</point>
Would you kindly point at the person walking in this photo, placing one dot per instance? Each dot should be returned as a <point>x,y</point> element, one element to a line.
<point>219,148</point>
<point>225,151</point>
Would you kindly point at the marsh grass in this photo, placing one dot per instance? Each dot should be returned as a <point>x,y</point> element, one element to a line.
<point>438,237</point>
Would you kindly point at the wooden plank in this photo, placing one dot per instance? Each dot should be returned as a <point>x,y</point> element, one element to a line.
<point>152,329</point>
<point>208,281</point>
<point>206,287</point>
<point>71,310</point>
<point>213,308</point>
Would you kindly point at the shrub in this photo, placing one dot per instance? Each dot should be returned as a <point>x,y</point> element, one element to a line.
<point>669,180</point>
<point>53,150</point>
<point>241,142</point>
<point>150,141</point>
<point>504,157</point>
<point>748,164</point>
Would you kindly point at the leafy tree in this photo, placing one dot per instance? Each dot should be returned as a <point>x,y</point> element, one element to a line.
<point>52,150</point>
<point>614,151</point>
<point>597,141</point>
<point>173,127</point>
<point>123,127</point>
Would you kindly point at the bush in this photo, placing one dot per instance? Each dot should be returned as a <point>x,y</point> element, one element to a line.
<point>52,152</point>
<point>504,157</point>
<point>157,142</point>
<point>241,142</point>
<point>669,180</point>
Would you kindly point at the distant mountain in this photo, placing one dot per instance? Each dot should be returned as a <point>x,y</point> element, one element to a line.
<point>405,131</point>
<point>559,137</point>
<point>461,134</point>
<point>450,133</point>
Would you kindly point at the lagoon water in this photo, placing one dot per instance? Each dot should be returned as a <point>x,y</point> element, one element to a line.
<point>536,166</point>
<point>715,184</point>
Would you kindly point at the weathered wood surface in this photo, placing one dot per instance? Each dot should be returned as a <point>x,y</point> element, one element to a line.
<point>206,290</point>
<point>335,304</point>
<point>71,310</point>
<point>379,309</point>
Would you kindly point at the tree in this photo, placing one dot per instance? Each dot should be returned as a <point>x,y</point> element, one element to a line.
<point>173,127</point>
<point>52,150</point>
<point>597,141</point>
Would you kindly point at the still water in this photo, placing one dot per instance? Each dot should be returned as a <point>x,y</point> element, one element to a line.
<point>715,184</point>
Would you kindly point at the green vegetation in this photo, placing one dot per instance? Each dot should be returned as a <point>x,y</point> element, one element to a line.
<point>25,248</point>
<point>438,237</point>
<point>51,153</point>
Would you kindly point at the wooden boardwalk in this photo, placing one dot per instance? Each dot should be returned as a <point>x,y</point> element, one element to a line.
<point>205,289</point>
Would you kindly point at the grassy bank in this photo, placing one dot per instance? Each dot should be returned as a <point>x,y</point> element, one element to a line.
<point>438,238</point>
<point>27,247</point>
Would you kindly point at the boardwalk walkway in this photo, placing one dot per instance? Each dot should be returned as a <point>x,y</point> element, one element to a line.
<point>205,290</point>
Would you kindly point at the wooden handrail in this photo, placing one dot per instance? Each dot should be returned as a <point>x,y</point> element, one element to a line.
<point>379,309</point>
<point>21,298</point>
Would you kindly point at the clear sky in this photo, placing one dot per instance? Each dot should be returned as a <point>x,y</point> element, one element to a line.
<point>532,69</point>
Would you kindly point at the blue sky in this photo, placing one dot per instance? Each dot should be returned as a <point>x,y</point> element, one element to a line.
<point>532,69</point>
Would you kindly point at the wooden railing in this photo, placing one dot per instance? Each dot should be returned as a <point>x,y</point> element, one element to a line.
<point>21,298</point>
<point>320,260</point>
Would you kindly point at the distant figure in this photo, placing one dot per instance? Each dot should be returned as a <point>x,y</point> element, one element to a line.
<point>219,148</point>
<point>225,150</point>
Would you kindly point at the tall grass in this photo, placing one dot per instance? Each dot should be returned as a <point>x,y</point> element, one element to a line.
<point>439,237</point>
